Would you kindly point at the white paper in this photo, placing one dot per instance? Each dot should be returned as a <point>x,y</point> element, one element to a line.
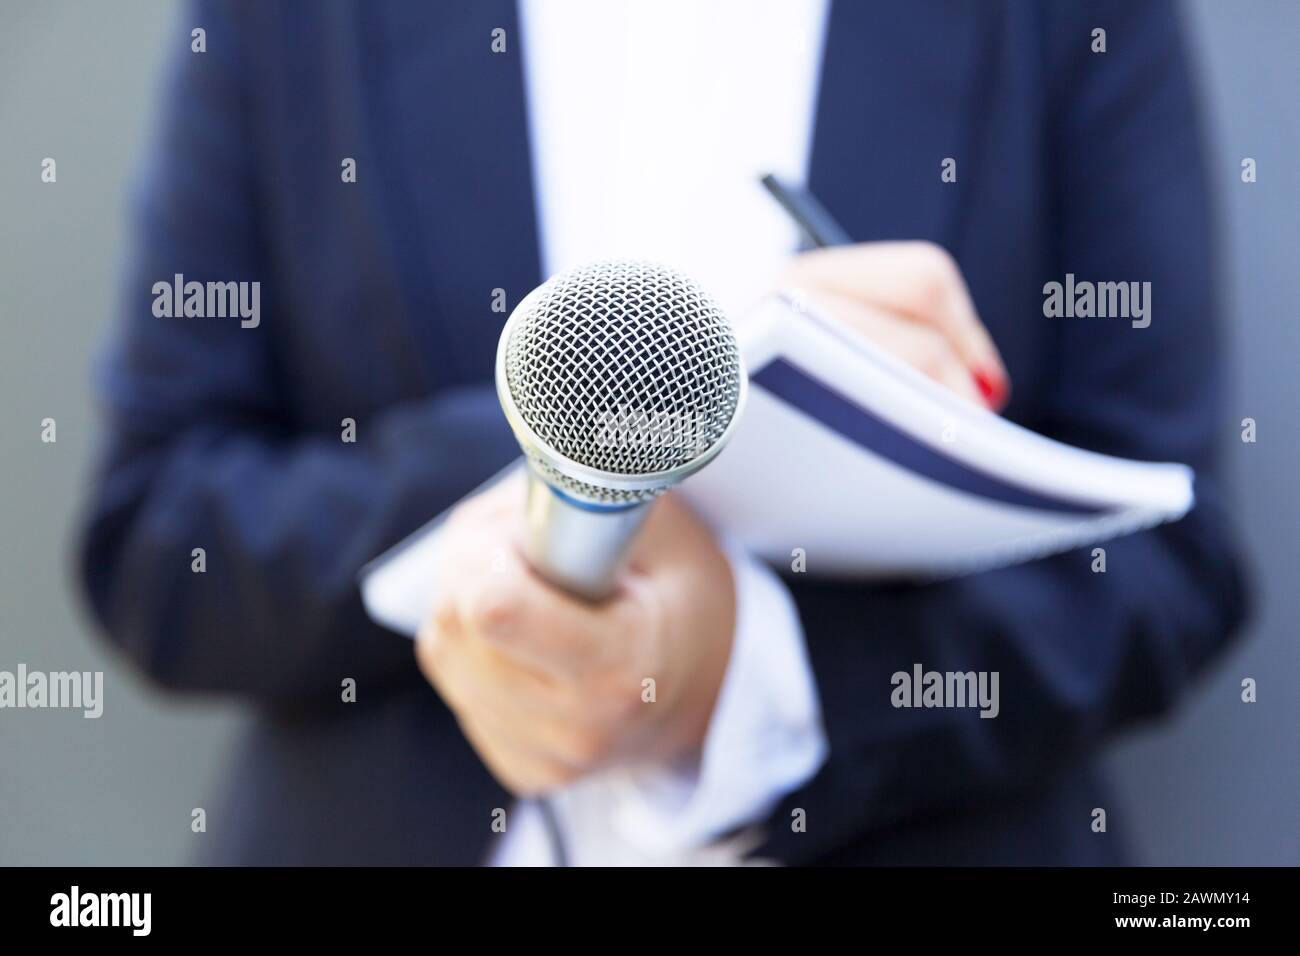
<point>789,481</point>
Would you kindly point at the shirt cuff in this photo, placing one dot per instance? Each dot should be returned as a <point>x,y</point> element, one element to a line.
<point>765,738</point>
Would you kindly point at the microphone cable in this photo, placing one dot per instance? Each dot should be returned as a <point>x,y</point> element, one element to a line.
<point>551,821</point>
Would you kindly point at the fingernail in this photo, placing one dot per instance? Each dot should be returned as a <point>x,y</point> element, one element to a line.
<point>993,386</point>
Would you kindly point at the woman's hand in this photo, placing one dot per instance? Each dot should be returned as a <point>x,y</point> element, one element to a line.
<point>910,299</point>
<point>549,688</point>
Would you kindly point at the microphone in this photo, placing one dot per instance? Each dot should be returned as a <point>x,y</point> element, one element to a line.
<point>619,379</point>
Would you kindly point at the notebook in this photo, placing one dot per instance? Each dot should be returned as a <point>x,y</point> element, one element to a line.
<point>850,463</point>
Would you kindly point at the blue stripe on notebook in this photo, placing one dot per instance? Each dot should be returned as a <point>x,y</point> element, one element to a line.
<point>876,435</point>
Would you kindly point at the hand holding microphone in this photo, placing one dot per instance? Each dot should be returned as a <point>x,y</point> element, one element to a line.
<point>562,595</point>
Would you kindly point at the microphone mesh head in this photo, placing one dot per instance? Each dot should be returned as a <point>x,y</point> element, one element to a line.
<point>628,368</point>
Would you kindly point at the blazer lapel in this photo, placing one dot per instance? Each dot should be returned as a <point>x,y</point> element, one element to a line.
<point>454,125</point>
<point>898,95</point>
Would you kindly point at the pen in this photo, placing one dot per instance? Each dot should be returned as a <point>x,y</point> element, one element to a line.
<point>810,215</point>
<point>822,230</point>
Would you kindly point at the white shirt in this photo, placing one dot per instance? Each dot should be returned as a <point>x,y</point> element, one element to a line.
<point>651,122</point>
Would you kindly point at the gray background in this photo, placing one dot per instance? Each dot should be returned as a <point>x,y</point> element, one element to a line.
<point>1217,784</point>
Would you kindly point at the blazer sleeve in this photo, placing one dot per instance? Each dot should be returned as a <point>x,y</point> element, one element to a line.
<point>200,452</point>
<point>1080,654</point>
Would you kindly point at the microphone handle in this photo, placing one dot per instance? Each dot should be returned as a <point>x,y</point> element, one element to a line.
<point>575,545</point>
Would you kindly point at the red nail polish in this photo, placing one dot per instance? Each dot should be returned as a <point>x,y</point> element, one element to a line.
<point>992,386</point>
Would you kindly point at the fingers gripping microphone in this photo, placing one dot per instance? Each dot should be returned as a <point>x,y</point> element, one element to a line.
<point>619,379</point>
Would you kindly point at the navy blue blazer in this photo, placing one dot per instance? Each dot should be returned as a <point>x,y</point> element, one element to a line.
<point>376,306</point>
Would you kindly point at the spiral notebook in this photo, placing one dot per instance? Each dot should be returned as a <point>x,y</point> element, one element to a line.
<point>852,463</point>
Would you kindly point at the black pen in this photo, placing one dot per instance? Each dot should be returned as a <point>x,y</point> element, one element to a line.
<point>810,215</point>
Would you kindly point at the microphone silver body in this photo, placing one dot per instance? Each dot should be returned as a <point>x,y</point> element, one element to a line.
<point>575,547</point>
<point>619,379</point>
